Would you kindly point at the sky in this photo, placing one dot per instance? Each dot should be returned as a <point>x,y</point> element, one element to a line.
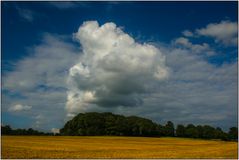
<point>164,61</point>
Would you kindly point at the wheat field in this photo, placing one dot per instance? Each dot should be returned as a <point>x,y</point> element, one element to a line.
<point>114,147</point>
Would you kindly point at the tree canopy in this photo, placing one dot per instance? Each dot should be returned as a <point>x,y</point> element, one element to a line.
<point>99,124</point>
<point>95,124</point>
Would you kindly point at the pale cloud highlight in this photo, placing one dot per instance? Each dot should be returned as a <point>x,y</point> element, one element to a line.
<point>203,48</point>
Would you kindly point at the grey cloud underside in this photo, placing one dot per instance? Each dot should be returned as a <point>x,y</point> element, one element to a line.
<point>203,48</point>
<point>119,75</point>
<point>195,92</point>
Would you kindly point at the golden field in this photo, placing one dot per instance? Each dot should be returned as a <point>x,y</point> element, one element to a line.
<point>114,147</point>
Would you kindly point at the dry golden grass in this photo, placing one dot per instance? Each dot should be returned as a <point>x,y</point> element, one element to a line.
<point>114,147</point>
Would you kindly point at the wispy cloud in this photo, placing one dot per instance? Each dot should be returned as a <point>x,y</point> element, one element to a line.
<point>187,33</point>
<point>19,107</point>
<point>26,14</point>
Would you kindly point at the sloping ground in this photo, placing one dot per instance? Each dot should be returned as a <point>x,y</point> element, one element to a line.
<point>114,147</point>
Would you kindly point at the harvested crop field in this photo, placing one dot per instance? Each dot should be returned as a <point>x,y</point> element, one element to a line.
<point>114,147</point>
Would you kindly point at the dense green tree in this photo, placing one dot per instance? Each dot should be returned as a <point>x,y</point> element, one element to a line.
<point>218,133</point>
<point>169,129</point>
<point>191,131</point>
<point>161,130</point>
<point>208,132</point>
<point>30,131</point>
<point>233,133</point>
<point>180,131</point>
<point>6,130</point>
<point>109,124</point>
<point>200,131</point>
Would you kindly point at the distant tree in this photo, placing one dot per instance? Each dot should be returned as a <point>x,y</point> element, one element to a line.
<point>191,131</point>
<point>180,131</point>
<point>30,131</point>
<point>233,133</point>
<point>160,130</point>
<point>147,127</point>
<point>208,132</point>
<point>224,137</point>
<point>6,130</point>
<point>218,133</point>
<point>200,131</point>
<point>169,129</point>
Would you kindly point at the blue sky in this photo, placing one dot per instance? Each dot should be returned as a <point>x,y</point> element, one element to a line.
<point>155,21</point>
<point>35,33</point>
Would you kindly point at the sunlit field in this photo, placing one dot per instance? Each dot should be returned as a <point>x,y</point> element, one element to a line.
<point>114,147</point>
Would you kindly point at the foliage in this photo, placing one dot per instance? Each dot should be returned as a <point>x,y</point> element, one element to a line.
<point>169,128</point>
<point>180,131</point>
<point>96,124</point>
<point>205,132</point>
<point>233,133</point>
<point>109,124</point>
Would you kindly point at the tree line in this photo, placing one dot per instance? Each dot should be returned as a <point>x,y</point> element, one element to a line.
<point>100,124</point>
<point>7,130</point>
<point>97,124</point>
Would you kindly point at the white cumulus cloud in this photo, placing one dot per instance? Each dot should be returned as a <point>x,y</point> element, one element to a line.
<point>113,70</point>
<point>224,32</point>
